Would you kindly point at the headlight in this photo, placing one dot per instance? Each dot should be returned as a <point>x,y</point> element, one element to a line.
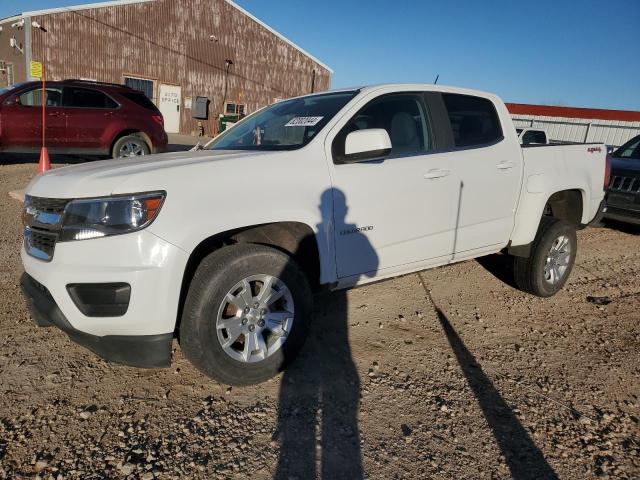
<point>99,217</point>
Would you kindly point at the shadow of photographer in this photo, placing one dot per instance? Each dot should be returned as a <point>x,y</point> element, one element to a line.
<point>320,393</point>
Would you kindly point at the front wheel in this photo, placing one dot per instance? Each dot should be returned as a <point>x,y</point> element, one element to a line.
<point>553,253</point>
<point>246,314</point>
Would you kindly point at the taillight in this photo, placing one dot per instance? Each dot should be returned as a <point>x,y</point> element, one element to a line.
<point>607,172</point>
<point>158,119</point>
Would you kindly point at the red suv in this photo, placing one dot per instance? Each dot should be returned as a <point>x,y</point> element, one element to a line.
<point>82,117</point>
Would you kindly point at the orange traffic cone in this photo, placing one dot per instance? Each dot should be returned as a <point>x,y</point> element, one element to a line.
<point>44,164</point>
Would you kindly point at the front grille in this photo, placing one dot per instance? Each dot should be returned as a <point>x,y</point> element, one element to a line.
<point>40,244</point>
<point>42,217</point>
<point>625,184</point>
<point>49,205</point>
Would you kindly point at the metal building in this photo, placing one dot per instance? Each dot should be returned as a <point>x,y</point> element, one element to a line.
<point>569,124</point>
<point>173,50</point>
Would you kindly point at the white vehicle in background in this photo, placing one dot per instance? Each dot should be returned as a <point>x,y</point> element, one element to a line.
<point>532,136</point>
<point>223,247</point>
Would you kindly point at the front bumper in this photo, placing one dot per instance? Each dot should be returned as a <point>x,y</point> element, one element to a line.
<point>151,266</point>
<point>153,269</point>
<point>146,351</point>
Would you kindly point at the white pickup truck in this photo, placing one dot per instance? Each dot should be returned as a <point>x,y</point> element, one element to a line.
<point>224,247</point>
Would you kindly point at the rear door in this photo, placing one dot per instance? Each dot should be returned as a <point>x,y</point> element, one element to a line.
<point>488,167</point>
<point>22,119</point>
<point>89,113</point>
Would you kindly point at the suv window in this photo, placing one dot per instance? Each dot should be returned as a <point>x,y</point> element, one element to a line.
<point>474,120</point>
<point>401,115</point>
<point>33,98</point>
<point>87,98</point>
<point>140,99</point>
<point>630,150</point>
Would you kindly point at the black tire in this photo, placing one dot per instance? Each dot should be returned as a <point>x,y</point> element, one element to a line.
<point>214,278</point>
<point>529,272</point>
<point>133,140</point>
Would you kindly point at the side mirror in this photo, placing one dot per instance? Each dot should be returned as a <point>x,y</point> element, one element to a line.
<point>13,101</point>
<point>369,144</point>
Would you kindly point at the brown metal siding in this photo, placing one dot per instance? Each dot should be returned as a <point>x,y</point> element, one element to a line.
<point>12,55</point>
<point>168,41</point>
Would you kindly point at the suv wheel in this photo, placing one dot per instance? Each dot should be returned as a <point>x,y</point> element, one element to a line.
<point>553,253</point>
<point>130,146</point>
<point>246,314</point>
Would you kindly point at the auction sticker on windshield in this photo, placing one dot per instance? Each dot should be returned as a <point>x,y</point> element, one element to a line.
<point>303,121</point>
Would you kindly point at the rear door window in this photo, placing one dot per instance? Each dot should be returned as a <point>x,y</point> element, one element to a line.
<point>474,120</point>
<point>87,98</point>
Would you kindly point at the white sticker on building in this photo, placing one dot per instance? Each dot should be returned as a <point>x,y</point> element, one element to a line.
<point>303,121</point>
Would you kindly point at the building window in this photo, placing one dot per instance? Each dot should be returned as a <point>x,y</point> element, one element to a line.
<point>145,86</point>
<point>7,69</point>
<point>235,109</point>
<point>10,79</point>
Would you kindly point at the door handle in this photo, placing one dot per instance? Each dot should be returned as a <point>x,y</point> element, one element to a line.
<point>505,165</point>
<point>54,114</point>
<point>108,114</point>
<point>437,173</point>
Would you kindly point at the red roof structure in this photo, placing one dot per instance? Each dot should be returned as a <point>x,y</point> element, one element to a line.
<point>573,112</point>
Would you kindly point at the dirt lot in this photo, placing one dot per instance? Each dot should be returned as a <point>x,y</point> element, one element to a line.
<point>447,374</point>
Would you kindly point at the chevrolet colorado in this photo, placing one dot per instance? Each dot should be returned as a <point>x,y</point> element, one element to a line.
<point>224,247</point>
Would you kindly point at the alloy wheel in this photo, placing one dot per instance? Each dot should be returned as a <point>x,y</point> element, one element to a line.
<point>255,318</point>
<point>558,260</point>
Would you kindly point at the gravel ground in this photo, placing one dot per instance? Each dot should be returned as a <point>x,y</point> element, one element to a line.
<point>447,374</point>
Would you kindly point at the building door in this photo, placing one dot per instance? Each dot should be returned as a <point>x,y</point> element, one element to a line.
<point>169,105</point>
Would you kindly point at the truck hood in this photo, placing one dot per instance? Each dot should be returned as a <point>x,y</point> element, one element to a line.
<point>102,178</point>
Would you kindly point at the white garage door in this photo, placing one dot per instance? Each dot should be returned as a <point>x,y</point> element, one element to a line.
<point>169,105</point>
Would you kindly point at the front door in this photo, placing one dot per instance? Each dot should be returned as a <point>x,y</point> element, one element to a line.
<point>169,105</point>
<point>397,211</point>
<point>22,125</point>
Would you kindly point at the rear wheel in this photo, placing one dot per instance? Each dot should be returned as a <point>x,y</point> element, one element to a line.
<point>246,314</point>
<point>551,260</point>
<point>130,146</point>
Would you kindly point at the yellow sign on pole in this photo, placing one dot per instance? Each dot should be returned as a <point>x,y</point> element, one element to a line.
<point>36,70</point>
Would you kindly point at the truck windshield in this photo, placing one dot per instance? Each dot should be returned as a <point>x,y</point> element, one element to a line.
<point>285,125</point>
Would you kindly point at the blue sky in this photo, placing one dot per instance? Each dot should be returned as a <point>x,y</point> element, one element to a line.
<point>567,52</point>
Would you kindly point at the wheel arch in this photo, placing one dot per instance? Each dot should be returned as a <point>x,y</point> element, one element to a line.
<point>567,205</point>
<point>131,131</point>
<point>293,238</point>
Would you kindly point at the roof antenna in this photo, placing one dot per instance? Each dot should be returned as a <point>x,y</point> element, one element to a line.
<point>437,77</point>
